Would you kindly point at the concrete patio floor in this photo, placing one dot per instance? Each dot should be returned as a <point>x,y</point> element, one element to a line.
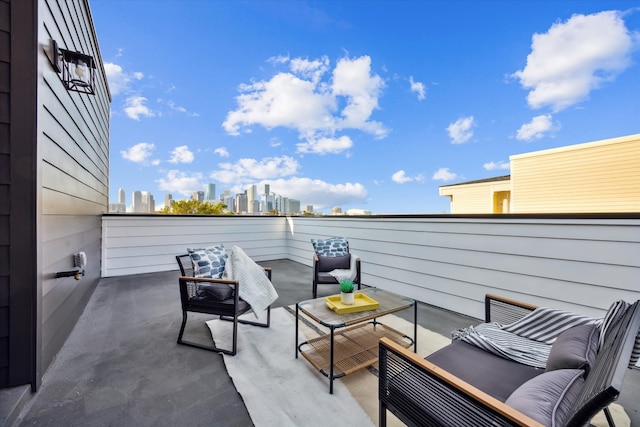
<point>121,365</point>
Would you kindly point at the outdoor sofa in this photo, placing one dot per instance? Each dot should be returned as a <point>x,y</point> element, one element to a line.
<point>464,385</point>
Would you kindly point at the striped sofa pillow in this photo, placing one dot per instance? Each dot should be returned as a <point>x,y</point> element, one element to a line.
<point>545,324</point>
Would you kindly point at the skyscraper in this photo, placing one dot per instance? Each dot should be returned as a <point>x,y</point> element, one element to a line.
<point>266,206</point>
<point>229,200</point>
<point>253,206</point>
<point>148,203</point>
<point>281,204</point>
<point>136,201</point>
<point>252,192</point>
<point>241,203</point>
<point>198,195</point>
<point>121,206</point>
<point>252,196</point>
<point>210,193</point>
<point>294,206</point>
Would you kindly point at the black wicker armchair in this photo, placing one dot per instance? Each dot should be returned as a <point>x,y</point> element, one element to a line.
<point>331,254</point>
<point>221,298</point>
<point>422,393</point>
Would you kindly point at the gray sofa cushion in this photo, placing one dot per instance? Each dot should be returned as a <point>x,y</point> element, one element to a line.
<point>548,398</point>
<point>492,374</point>
<point>331,263</point>
<point>575,348</point>
<point>215,291</point>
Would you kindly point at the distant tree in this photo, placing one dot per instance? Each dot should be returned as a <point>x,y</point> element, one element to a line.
<point>274,212</point>
<point>186,207</point>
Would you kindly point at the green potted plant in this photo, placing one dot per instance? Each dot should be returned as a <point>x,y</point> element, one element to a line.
<point>346,292</point>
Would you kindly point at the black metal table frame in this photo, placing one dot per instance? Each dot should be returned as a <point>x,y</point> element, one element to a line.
<point>333,327</point>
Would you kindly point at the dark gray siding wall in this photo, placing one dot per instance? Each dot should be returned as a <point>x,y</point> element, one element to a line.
<point>18,73</point>
<point>73,173</point>
<point>5,170</point>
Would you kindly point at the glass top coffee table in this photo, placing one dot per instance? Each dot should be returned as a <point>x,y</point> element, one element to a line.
<point>352,342</point>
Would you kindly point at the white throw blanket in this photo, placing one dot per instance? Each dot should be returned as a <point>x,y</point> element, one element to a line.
<point>343,274</point>
<point>255,288</point>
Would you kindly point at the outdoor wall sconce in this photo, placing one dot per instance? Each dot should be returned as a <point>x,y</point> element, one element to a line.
<point>78,70</point>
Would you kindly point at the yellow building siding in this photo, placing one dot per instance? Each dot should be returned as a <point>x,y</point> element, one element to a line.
<point>601,176</point>
<point>474,198</point>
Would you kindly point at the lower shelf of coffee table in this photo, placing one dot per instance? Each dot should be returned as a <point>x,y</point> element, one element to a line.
<point>355,348</point>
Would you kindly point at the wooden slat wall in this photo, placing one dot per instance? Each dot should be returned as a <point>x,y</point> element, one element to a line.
<point>73,138</point>
<point>571,263</point>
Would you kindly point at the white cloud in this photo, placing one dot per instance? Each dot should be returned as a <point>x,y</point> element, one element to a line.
<point>401,177</point>
<point>246,170</point>
<point>134,108</point>
<point>443,174</point>
<point>180,182</point>
<point>460,131</point>
<point>418,88</point>
<point>310,69</point>
<point>139,153</point>
<point>181,155</point>
<point>302,100</point>
<point>286,101</point>
<point>181,109</point>
<point>536,128</point>
<point>279,59</point>
<point>222,151</point>
<point>325,145</point>
<point>500,165</point>
<point>353,79</point>
<point>575,57</point>
<point>119,80</point>
<point>275,142</point>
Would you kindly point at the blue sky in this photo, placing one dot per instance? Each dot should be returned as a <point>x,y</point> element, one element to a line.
<point>358,104</point>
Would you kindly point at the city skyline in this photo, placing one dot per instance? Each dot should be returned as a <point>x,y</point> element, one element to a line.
<point>144,201</point>
<point>369,105</point>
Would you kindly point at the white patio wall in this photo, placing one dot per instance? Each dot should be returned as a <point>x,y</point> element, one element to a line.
<point>134,244</point>
<point>580,264</point>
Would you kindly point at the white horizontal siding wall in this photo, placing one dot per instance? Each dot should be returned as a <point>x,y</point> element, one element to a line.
<point>451,262</point>
<point>146,244</point>
<point>576,264</point>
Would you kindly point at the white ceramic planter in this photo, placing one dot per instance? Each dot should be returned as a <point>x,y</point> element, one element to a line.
<point>347,297</point>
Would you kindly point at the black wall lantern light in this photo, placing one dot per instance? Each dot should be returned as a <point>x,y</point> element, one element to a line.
<point>78,70</point>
